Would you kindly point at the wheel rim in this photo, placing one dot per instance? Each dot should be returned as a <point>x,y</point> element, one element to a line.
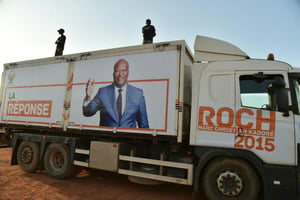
<point>229,183</point>
<point>27,155</point>
<point>58,160</point>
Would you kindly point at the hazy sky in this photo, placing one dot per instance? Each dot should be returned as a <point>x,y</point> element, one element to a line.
<point>258,27</point>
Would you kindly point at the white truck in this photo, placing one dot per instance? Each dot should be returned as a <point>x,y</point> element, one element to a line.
<point>217,120</point>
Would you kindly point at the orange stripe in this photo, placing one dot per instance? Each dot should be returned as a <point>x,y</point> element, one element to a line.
<point>131,81</point>
<point>31,122</point>
<point>119,128</point>
<point>32,86</point>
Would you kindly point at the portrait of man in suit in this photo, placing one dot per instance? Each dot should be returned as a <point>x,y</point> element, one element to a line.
<point>120,104</point>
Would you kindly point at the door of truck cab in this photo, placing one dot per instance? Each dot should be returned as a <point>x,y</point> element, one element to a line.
<point>294,81</point>
<point>262,127</point>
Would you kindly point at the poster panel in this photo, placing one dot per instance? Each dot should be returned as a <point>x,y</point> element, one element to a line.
<point>34,95</point>
<point>150,94</point>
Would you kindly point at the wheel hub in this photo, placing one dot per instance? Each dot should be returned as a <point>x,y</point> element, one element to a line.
<point>27,155</point>
<point>229,183</point>
<point>58,160</point>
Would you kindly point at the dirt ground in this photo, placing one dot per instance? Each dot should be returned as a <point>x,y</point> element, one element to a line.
<point>16,184</point>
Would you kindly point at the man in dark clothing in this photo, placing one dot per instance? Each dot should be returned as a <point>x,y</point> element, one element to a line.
<point>60,43</point>
<point>148,32</point>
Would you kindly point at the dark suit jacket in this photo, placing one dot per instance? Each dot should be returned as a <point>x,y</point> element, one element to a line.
<point>105,101</point>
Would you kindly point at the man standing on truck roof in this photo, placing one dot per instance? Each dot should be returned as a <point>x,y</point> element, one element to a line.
<point>60,43</point>
<point>148,32</point>
<point>120,104</point>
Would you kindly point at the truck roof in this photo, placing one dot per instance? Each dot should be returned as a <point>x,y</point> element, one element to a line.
<point>101,53</point>
<point>210,49</point>
<point>249,65</point>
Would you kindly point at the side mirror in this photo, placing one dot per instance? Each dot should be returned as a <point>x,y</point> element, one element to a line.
<point>282,97</point>
<point>283,101</point>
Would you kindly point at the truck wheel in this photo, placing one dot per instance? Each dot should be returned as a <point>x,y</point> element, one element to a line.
<point>57,161</point>
<point>28,156</point>
<point>225,178</point>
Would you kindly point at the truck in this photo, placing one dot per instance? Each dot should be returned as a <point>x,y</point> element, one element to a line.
<point>217,120</point>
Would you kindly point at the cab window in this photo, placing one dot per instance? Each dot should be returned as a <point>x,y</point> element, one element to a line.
<point>295,85</point>
<point>257,91</point>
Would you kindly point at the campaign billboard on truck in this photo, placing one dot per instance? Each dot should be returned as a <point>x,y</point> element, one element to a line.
<point>34,95</point>
<point>82,94</point>
<point>150,93</point>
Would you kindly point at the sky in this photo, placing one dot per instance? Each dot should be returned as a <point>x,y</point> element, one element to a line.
<point>258,27</point>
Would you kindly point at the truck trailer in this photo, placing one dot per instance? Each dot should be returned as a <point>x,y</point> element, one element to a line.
<point>215,119</point>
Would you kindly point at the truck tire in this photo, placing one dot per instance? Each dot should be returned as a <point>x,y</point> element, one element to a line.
<point>229,178</point>
<point>57,161</point>
<point>28,155</point>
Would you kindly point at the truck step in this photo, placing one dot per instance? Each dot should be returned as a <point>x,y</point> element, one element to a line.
<point>81,163</point>
<point>82,151</point>
<point>81,157</point>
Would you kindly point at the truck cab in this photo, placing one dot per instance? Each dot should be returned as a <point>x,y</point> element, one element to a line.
<point>244,110</point>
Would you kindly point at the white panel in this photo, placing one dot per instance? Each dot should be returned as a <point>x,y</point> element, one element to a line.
<point>35,95</point>
<point>155,73</point>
